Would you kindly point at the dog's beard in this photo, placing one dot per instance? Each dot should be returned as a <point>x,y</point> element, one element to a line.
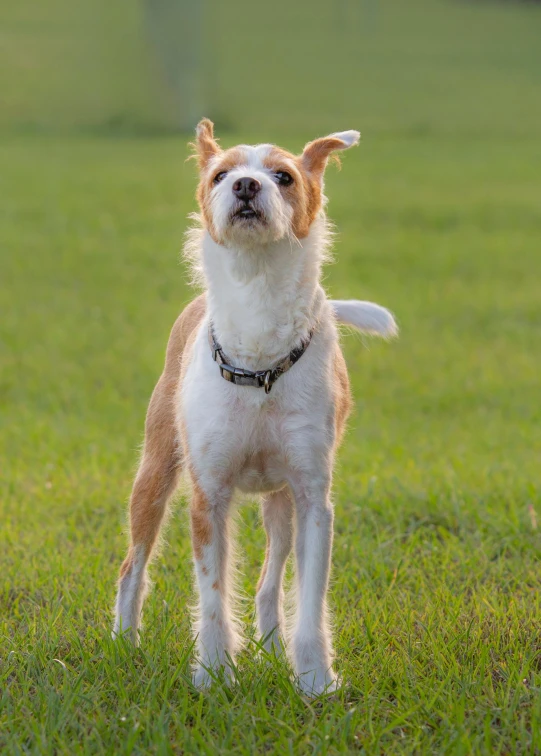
<point>247,212</point>
<point>248,224</point>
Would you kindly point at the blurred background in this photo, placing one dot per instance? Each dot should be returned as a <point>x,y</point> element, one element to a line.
<point>154,66</point>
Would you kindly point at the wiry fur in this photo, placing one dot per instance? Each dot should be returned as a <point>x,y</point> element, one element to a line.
<point>259,260</point>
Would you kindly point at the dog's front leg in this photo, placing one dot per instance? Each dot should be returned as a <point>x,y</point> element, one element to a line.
<point>312,645</point>
<point>216,634</point>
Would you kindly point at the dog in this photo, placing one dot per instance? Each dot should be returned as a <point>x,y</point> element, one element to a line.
<point>254,397</point>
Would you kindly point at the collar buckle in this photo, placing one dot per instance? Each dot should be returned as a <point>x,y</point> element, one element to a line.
<point>267,383</point>
<point>226,371</point>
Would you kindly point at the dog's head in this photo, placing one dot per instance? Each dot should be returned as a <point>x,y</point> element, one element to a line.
<point>253,195</point>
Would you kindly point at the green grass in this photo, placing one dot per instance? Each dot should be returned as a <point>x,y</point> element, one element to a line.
<point>436,566</point>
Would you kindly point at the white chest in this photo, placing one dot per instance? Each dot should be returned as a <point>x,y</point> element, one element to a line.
<point>241,437</point>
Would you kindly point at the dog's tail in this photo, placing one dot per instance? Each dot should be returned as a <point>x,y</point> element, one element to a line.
<point>365,316</point>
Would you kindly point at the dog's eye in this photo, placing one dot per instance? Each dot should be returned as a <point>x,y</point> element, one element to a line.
<point>220,177</point>
<point>283,178</point>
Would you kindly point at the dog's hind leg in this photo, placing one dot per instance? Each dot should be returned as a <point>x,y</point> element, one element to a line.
<point>154,484</point>
<point>156,478</point>
<point>277,511</point>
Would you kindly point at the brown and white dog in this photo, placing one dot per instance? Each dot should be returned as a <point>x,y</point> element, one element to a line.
<point>260,242</point>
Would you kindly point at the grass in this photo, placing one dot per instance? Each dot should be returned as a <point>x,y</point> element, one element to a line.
<point>436,578</point>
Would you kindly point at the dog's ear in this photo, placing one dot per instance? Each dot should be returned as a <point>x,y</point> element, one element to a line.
<point>317,153</point>
<point>206,147</point>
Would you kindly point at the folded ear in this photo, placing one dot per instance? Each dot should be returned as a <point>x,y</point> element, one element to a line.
<point>317,153</point>
<point>205,145</point>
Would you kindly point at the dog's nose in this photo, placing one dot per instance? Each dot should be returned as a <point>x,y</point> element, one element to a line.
<point>246,188</point>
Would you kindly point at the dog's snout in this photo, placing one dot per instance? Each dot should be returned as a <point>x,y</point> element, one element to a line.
<point>246,188</point>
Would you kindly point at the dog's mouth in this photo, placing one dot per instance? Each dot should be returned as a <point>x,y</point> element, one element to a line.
<point>247,212</point>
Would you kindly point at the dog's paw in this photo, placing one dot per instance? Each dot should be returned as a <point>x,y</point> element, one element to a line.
<point>273,645</point>
<point>205,675</point>
<point>316,683</point>
<point>201,678</point>
<point>128,634</point>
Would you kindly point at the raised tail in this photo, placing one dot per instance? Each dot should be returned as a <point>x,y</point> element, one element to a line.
<point>365,316</point>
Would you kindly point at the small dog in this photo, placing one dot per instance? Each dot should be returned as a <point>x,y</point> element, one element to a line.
<point>254,396</point>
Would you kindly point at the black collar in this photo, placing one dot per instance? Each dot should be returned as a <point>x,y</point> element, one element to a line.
<point>259,378</point>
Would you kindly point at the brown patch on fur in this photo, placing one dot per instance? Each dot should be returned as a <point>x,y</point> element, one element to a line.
<point>314,195</point>
<point>313,162</point>
<point>227,160</point>
<point>304,194</point>
<point>206,147</point>
<point>201,524</point>
<point>216,586</point>
<point>342,393</point>
<point>127,564</point>
<point>316,154</point>
<point>161,462</point>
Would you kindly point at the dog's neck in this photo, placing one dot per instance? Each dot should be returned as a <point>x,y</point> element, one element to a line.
<point>264,301</point>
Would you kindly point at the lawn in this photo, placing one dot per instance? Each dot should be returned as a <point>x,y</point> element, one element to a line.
<point>436,564</point>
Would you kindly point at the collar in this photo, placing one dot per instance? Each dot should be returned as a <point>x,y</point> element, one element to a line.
<point>259,378</point>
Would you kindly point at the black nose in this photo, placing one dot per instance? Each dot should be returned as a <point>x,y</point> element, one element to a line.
<point>246,188</point>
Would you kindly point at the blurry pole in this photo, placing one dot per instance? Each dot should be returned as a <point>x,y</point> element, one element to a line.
<point>175,29</point>
<point>339,10</point>
<point>345,13</point>
<point>371,15</point>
